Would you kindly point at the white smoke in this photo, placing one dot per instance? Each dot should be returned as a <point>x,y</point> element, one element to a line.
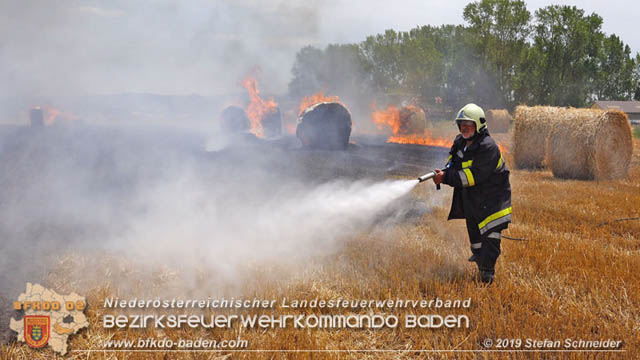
<point>195,222</point>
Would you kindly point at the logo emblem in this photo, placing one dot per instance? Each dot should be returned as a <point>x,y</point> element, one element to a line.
<point>36,330</point>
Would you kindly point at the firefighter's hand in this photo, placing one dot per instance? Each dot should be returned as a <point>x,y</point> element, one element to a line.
<point>439,176</point>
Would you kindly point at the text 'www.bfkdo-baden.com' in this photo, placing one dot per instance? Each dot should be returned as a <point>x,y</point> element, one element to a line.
<point>150,343</point>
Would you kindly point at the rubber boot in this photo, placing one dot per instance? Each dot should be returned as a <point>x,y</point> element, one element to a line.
<point>486,277</point>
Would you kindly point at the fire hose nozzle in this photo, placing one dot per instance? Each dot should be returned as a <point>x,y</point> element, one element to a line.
<point>428,176</point>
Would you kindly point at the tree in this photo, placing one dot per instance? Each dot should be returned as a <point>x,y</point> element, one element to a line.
<point>617,79</point>
<point>381,58</point>
<point>565,55</point>
<point>306,71</point>
<point>421,64</point>
<point>404,63</point>
<point>500,59</point>
<point>500,29</point>
<point>636,75</point>
<point>463,72</point>
<point>338,69</point>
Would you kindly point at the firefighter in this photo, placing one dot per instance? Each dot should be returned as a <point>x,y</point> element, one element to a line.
<point>482,193</point>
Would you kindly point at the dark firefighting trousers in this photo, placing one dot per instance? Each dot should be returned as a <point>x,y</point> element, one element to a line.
<point>485,247</point>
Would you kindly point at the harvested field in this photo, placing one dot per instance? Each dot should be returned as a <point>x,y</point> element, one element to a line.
<point>571,278</point>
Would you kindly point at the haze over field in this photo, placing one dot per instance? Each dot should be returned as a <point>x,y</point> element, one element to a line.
<point>205,47</point>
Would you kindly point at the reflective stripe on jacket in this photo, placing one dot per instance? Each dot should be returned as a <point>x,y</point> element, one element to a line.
<point>480,179</point>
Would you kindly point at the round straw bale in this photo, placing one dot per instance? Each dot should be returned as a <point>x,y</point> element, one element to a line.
<point>272,122</point>
<point>233,120</point>
<point>590,144</point>
<point>413,120</point>
<point>530,132</point>
<point>36,117</point>
<point>325,125</point>
<point>498,121</point>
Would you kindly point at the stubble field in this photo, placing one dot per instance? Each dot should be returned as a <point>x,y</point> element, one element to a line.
<point>572,277</point>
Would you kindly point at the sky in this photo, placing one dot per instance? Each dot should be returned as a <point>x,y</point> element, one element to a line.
<point>206,47</point>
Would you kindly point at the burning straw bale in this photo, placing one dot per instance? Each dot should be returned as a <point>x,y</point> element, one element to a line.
<point>590,144</point>
<point>413,120</point>
<point>272,122</point>
<point>530,133</point>
<point>407,120</point>
<point>234,120</point>
<point>325,125</point>
<point>36,116</point>
<point>498,121</point>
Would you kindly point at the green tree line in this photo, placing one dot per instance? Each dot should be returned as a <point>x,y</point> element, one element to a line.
<point>502,57</point>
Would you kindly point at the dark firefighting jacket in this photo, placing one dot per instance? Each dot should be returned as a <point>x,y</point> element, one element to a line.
<point>480,179</point>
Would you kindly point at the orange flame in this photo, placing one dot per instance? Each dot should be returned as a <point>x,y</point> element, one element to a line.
<point>290,128</point>
<point>426,140</point>
<point>54,115</point>
<point>429,140</point>
<point>392,117</point>
<point>389,117</point>
<point>258,106</point>
<point>503,149</point>
<point>316,98</point>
